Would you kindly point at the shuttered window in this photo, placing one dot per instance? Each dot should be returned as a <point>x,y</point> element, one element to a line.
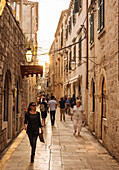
<point>77,6</point>
<point>70,56</point>
<point>62,38</point>
<point>67,33</point>
<point>80,51</point>
<point>80,4</point>
<point>100,15</point>
<point>70,25</point>
<point>91,27</point>
<point>74,17</point>
<point>74,53</point>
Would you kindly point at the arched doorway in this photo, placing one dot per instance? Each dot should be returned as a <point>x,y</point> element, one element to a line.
<point>6,116</point>
<point>103,102</point>
<point>79,91</point>
<point>93,104</point>
<point>17,106</point>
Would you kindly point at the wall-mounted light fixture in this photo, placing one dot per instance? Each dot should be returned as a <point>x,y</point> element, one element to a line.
<point>29,55</point>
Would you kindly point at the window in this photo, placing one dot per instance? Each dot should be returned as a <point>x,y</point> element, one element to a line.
<point>80,52</point>
<point>74,17</point>
<point>77,5</point>
<point>70,25</point>
<point>100,15</point>
<point>62,38</point>
<point>70,55</point>
<point>91,27</point>
<point>67,32</point>
<point>74,53</point>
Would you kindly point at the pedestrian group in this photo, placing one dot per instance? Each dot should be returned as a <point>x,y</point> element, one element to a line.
<point>71,106</point>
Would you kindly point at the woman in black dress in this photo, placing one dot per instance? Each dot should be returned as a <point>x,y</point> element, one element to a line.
<point>32,123</point>
<point>43,109</point>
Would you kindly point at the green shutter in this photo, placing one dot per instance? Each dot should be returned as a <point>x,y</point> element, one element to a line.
<point>99,15</point>
<point>102,13</point>
<point>91,27</point>
<point>80,3</point>
<point>76,6</point>
<point>80,50</point>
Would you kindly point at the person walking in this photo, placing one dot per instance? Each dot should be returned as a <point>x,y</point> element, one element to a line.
<point>62,109</point>
<point>68,106</point>
<point>32,123</point>
<point>43,109</point>
<point>52,105</point>
<point>72,102</point>
<point>77,115</point>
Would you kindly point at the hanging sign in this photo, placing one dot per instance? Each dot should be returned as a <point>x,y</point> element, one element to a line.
<point>2,5</point>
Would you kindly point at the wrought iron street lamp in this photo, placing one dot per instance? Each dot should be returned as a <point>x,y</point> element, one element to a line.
<point>29,55</point>
<point>73,65</point>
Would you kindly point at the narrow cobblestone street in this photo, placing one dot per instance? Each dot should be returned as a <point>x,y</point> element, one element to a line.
<point>61,151</point>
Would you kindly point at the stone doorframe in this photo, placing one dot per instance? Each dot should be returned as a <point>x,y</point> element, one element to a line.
<point>7,124</point>
<point>102,121</point>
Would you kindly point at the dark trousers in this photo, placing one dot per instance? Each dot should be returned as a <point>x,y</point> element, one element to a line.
<point>52,117</point>
<point>32,139</point>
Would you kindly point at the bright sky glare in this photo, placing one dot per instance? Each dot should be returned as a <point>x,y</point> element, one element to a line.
<point>49,14</point>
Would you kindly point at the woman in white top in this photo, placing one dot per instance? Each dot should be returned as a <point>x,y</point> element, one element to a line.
<point>77,114</point>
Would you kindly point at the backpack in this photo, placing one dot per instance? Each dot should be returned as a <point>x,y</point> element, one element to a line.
<point>42,107</point>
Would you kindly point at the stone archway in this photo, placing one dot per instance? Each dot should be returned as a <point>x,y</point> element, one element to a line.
<point>103,103</point>
<point>7,114</point>
<point>103,107</point>
<point>93,104</point>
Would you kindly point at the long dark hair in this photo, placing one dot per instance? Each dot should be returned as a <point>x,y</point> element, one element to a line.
<point>29,108</point>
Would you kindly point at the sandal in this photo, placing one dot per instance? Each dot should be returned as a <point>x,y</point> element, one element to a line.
<point>79,135</point>
<point>74,133</point>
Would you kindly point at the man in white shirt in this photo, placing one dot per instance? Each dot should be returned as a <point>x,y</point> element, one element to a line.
<point>53,105</point>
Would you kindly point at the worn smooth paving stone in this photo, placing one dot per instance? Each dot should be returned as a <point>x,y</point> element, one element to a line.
<point>61,151</point>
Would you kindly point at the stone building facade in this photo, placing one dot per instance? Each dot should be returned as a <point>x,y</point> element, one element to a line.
<point>11,83</point>
<point>69,31</point>
<point>57,55</point>
<point>26,14</point>
<point>103,71</point>
<point>75,38</point>
<point>103,107</point>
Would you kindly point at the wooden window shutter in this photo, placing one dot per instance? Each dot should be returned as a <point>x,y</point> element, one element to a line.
<point>80,50</point>
<point>69,25</point>
<point>70,56</point>
<point>62,38</point>
<point>80,3</point>
<point>67,32</point>
<point>99,15</point>
<point>75,53</point>
<point>91,27</point>
<point>102,13</point>
<point>76,6</point>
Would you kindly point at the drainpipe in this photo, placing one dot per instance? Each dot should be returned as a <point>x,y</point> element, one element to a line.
<point>21,12</point>
<point>86,86</point>
<point>87,45</point>
<point>31,23</point>
<point>118,40</point>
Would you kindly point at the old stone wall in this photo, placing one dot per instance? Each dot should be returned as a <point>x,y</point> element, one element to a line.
<point>105,51</point>
<point>11,83</point>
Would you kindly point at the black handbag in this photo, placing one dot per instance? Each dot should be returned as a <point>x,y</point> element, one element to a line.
<point>41,137</point>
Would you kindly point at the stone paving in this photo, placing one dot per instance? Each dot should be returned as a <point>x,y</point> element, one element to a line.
<point>61,151</point>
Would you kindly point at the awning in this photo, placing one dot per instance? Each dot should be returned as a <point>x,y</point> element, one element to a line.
<point>30,70</point>
<point>74,79</point>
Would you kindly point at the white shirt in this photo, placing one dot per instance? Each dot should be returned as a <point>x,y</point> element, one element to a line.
<point>78,112</point>
<point>52,104</point>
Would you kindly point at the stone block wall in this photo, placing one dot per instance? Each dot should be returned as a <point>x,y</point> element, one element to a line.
<point>11,57</point>
<point>105,51</point>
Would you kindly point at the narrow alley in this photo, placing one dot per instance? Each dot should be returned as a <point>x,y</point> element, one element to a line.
<point>61,151</point>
